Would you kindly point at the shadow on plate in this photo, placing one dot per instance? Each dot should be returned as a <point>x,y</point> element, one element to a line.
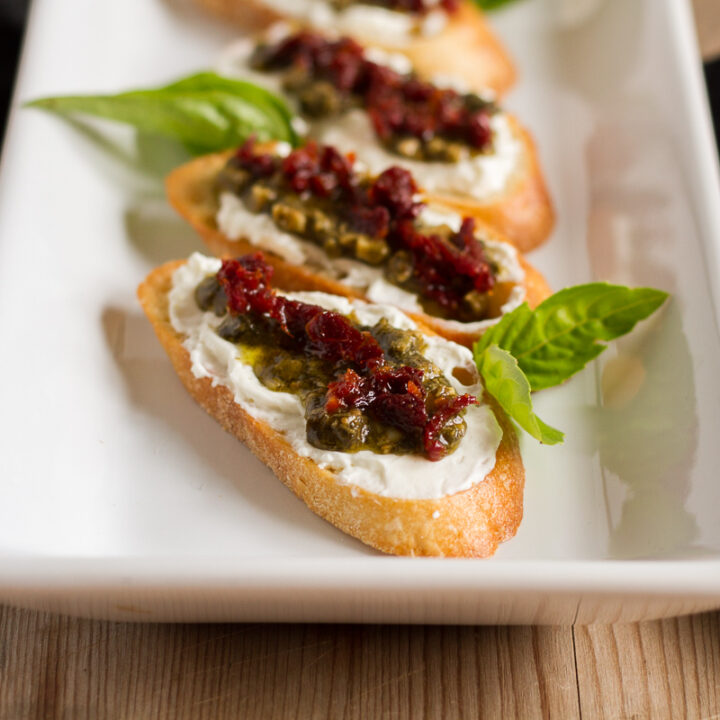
<point>647,426</point>
<point>157,233</point>
<point>125,156</point>
<point>648,437</point>
<point>229,468</point>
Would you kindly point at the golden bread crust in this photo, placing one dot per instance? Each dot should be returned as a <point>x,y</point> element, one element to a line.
<point>190,190</point>
<point>466,49</point>
<point>468,524</point>
<point>249,14</point>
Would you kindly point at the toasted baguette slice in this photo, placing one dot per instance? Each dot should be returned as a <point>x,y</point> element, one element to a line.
<point>191,191</point>
<point>466,49</point>
<point>505,187</point>
<point>470,523</point>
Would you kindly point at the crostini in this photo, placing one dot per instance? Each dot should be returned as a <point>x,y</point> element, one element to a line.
<point>379,428</point>
<point>327,225</point>
<point>463,150</point>
<point>450,37</point>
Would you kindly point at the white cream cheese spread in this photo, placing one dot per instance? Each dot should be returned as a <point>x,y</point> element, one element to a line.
<point>481,177</point>
<point>401,476</point>
<point>371,23</point>
<point>237,222</point>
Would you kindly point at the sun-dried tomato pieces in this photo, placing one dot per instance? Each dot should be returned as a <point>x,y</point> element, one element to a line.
<point>392,395</point>
<point>395,190</point>
<point>417,6</point>
<point>447,269</point>
<point>333,337</point>
<point>329,335</point>
<point>246,282</point>
<point>320,170</point>
<point>399,105</point>
<point>444,269</point>
<point>432,432</point>
<point>373,221</point>
<point>259,165</point>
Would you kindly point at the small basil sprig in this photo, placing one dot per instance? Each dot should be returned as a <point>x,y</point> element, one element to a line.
<point>205,112</point>
<point>535,349</point>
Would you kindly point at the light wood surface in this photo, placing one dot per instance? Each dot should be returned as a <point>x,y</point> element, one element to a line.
<point>707,17</point>
<point>54,667</point>
<point>70,669</point>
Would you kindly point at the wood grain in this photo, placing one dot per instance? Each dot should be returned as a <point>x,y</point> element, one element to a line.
<point>707,20</point>
<point>56,667</point>
<point>668,669</point>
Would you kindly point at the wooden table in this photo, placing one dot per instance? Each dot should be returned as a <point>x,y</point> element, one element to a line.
<point>57,667</point>
<point>707,13</point>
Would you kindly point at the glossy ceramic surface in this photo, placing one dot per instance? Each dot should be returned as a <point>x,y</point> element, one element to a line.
<point>120,498</point>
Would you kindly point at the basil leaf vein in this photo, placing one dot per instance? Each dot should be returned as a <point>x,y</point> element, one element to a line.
<point>206,112</point>
<point>569,329</point>
<point>507,383</point>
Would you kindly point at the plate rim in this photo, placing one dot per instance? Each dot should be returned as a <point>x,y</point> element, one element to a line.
<point>677,578</point>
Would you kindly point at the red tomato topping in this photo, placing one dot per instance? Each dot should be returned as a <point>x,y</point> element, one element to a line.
<point>399,105</point>
<point>416,6</point>
<point>447,271</point>
<point>391,395</point>
<point>318,332</point>
<point>386,208</point>
<point>432,431</point>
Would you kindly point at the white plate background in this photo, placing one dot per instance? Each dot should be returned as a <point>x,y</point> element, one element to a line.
<point>120,498</point>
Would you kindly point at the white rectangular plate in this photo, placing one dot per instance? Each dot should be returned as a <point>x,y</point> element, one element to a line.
<point>120,498</point>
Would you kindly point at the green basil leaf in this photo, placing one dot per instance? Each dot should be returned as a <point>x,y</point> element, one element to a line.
<point>255,94</point>
<point>565,332</point>
<point>506,382</point>
<point>492,4</point>
<point>205,112</point>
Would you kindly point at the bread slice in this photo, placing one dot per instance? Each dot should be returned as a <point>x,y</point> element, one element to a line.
<point>191,191</point>
<point>505,188</point>
<point>466,49</point>
<point>467,524</point>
